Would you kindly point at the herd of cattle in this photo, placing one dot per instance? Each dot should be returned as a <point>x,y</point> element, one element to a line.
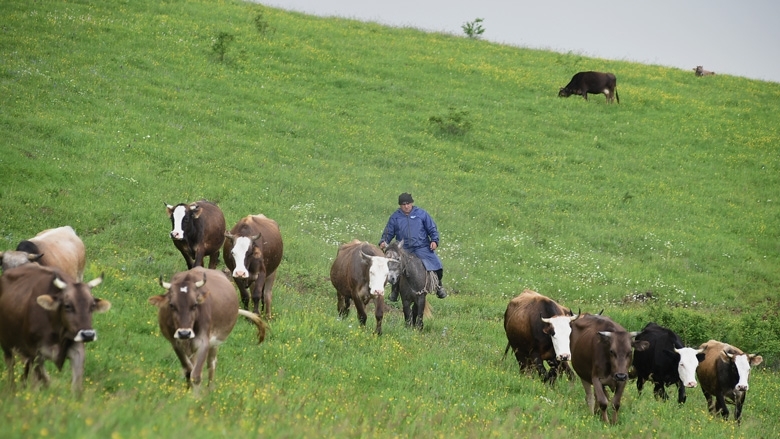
<point>602,354</point>
<point>46,313</point>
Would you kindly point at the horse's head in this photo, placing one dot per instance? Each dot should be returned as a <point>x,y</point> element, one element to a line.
<point>394,252</point>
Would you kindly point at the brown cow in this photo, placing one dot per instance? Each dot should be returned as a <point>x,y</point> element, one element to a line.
<point>699,70</point>
<point>253,250</point>
<point>59,248</point>
<point>583,83</point>
<point>47,315</point>
<point>359,273</point>
<point>196,315</point>
<point>724,375</point>
<point>537,329</point>
<point>198,231</point>
<point>601,355</point>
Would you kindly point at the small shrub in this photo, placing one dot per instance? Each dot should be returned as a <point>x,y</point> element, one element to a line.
<point>262,24</point>
<point>455,122</point>
<point>221,44</point>
<point>473,29</point>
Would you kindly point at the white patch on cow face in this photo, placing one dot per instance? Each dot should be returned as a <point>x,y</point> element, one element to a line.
<point>560,337</point>
<point>178,216</point>
<point>686,368</point>
<point>743,368</point>
<point>183,290</point>
<point>377,275</point>
<point>241,246</point>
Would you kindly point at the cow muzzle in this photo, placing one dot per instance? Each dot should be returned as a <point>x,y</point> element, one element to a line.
<point>741,388</point>
<point>621,377</point>
<point>177,235</point>
<point>184,334</point>
<point>85,336</point>
<point>241,274</point>
<point>691,384</point>
<point>563,357</point>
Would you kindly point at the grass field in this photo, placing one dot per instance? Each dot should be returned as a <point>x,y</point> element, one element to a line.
<point>661,208</point>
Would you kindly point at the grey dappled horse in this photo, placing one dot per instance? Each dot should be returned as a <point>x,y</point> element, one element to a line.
<point>414,283</point>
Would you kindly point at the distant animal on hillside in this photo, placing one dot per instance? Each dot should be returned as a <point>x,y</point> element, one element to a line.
<point>666,361</point>
<point>198,230</point>
<point>583,83</point>
<point>699,70</point>
<point>46,314</point>
<point>253,251</point>
<point>359,273</point>
<point>601,353</point>
<point>196,315</point>
<point>724,376</point>
<point>414,283</point>
<point>538,329</point>
<point>60,248</point>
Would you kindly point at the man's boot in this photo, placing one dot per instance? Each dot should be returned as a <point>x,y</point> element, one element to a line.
<point>440,293</point>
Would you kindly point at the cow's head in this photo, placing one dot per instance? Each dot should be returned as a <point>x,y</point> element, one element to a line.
<point>183,300</point>
<point>181,216</point>
<point>247,252</point>
<point>742,362</point>
<point>559,330</point>
<point>688,360</point>
<point>378,272</point>
<point>13,258</point>
<point>74,305</point>
<point>564,92</point>
<point>620,345</point>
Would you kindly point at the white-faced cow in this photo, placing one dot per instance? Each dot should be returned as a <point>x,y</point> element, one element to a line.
<point>601,355</point>
<point>359,273</point>
<point>583,83</point>
<point>666,361</point>
<point>253,250</point>
<point>724,376</point>
<point>46,315</point>
<point>59,248</point>
<point>196,315</point>
<point>538,329</point>
<point>699,70</point>
<point>198,230</point>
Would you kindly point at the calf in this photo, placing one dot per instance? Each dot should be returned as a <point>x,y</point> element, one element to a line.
<point>253,250</point>
<point>538,329</point>
<point>60,248</point>
<point>724,374</point>
<point>699,70</point>
<point>359,273</point>
<point>601,354</point>
<point>46,315</point>
<point>583,83</point>
<point>196,315</point>
<point>198,230</point>
<point>666,361</point>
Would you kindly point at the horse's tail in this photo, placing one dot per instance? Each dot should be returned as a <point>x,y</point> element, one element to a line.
<point>428,311</point>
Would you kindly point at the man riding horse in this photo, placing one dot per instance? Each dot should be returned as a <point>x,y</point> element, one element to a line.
<point>417,230</point>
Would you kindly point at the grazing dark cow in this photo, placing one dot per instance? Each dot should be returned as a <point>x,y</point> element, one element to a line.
<point>198,231</point>
<point>583,83</point>
<point>601,354</point>
<point>538,329</point>
<point>253,250</point>
<point>699,70</point>
<point>666,361</point>
<point>724,375</point>
<point>59,248</point>
<point>359,273</point>
<point>46,315</point>
<point>196,315</point>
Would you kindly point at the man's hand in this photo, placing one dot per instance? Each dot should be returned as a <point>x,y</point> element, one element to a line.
<point>382,245</point>
<point>434,246</point>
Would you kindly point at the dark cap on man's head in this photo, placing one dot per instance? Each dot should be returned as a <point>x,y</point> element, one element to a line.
<point>405,198</point>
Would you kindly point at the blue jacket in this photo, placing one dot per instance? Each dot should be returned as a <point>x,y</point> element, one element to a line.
<point>417,231</point>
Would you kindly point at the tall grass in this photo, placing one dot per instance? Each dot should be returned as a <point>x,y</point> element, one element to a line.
<point>663,208</point>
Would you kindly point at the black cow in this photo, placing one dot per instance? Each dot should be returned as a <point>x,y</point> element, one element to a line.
<point>198,231</point>
<point>666,362</point>
<point>583,83</point>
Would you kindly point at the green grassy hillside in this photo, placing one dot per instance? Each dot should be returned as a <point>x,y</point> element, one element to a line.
<point>661,208</point>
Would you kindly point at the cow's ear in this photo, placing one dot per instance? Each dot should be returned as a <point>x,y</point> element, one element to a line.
<point>159,301</point>
<point>168,209</point>
<point>641,345</point>
<point>755,360</point>
<point>48,303</point>
<point>700,356</point>
<point>201,297</point>
<point>257,253</point>
<point>102,305</point>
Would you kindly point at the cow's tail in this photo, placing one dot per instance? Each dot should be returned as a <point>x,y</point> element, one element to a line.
<point>617,96</point>
<point>261,326</point>
<point>505,352</point>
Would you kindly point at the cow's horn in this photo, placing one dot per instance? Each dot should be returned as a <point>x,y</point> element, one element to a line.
<point>59,283</point>
<point>200,283</point>
<point>163,284</point>
<point>544,319</point>
<point>96,281</point>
